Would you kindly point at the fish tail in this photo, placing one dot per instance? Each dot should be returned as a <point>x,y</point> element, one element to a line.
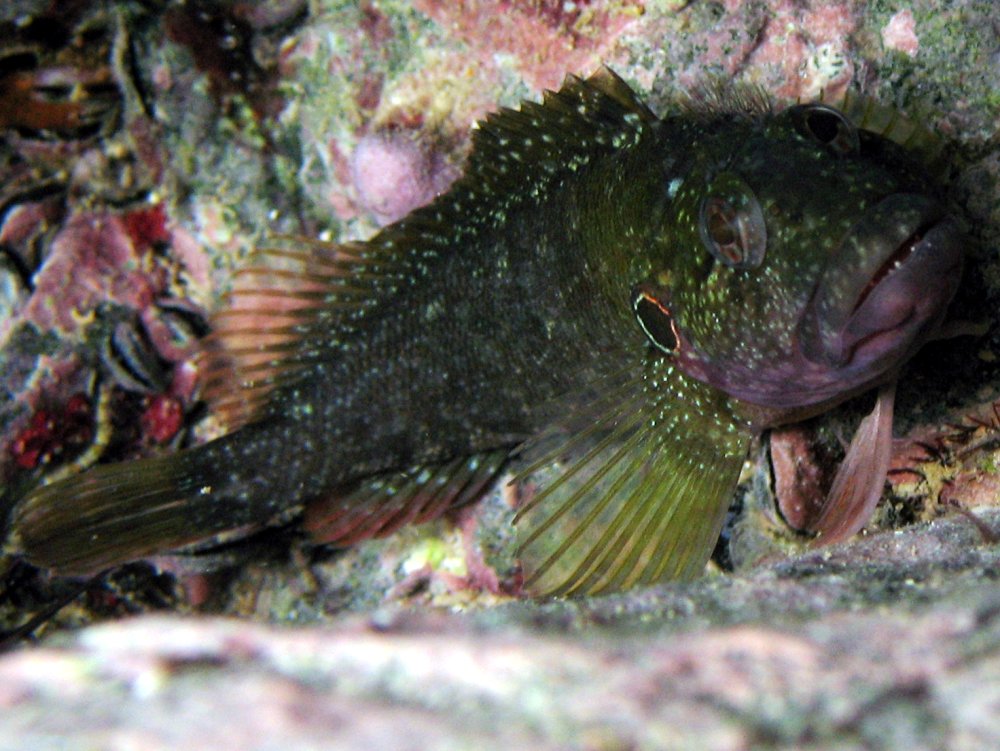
<point>114,514</point>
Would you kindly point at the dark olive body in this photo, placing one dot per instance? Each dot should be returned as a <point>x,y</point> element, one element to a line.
<point>615,302</point>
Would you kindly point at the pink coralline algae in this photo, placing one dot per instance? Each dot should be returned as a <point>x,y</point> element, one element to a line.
<point>93,260</point>
<point>162,419</point>
<point>549,37</point>
<point>808,45</point>
<point>51,433</point>
<point>900,33</point>
<point>394,174</point>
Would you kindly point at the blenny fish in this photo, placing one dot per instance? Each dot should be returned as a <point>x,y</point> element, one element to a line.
<point>615,302</point>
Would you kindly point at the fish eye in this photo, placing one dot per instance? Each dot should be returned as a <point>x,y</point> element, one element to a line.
<point>655,319</point>
<point>731,223</point>
<point>827,126</point>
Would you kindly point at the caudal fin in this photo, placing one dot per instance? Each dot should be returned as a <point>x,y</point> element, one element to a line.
<point>111,515</point>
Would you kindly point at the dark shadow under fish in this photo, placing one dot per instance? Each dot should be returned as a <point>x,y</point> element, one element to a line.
<point>620,300</point>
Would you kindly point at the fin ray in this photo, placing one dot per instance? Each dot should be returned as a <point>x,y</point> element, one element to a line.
<point>133,509</point>
<point>860,479</point>
<point>612,543</point>
<point>379,505</point>
<point>889,122</point>
<point>643,498</point>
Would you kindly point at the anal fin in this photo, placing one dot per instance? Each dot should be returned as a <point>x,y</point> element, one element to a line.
<point>379,505</point>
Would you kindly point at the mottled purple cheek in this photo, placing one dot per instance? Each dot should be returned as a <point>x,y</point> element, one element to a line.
<point>882,293</point>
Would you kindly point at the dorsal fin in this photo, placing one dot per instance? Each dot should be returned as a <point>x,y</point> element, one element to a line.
<point>586,118</point>
<point>281,315</point>
<point>888,122</point>
<point>717,97</point>
<point>292,306</point>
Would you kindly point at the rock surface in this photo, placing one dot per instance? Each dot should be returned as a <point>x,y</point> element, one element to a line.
<point>890,642</point>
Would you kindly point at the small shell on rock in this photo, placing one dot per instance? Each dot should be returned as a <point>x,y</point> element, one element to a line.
<point>14,282</point>
<point>132,361</point>
<point>185,322</point>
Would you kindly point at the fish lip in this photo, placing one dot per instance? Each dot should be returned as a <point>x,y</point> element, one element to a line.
<point>885,287</point>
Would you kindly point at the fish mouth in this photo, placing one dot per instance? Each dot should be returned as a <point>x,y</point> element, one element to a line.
<point>885,288</point>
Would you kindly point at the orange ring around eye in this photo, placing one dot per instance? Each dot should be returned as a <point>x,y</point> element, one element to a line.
<point>655,320</point>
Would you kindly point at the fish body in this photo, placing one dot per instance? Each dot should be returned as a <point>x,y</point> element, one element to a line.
<point>618,301</point>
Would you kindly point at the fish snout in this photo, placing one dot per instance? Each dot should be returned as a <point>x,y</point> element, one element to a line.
<point>886,288</point>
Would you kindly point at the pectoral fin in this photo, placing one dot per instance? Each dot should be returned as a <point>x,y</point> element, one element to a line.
<point>643,479</point>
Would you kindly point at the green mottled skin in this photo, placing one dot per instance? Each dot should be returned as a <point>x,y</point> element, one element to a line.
<point>503,310</point>
<point>810,201</point>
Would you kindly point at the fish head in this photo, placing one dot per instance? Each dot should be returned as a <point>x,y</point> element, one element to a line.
<point>802,265</point>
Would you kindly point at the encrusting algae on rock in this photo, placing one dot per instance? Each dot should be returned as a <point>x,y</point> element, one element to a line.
<point>615,302</point>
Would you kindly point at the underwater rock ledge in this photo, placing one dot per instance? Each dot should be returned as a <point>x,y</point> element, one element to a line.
<point>888,642</point>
